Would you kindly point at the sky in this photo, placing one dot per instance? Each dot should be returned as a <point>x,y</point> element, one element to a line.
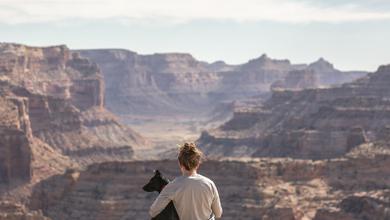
<point>352,34</point>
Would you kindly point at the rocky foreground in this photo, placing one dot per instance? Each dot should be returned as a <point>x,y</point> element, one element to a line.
<point>352,187</point>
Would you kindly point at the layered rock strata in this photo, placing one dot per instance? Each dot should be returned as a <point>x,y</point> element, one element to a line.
<point>175,83</point>
<point>313,123</point>
<point>16,211</point>
<point>64,96</point>
<point>249,188</point>
<point>15,141</point>
<point>297,80</point>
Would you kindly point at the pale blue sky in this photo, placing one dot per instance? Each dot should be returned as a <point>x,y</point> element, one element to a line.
<point>351,34</point>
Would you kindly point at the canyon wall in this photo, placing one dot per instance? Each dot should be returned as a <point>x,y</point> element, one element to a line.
<point>15,144</point>
<point>25,158</point>
<point>312,123</point>
<point>64,101</point>
<point>297,80</point>
<point>63,155</point>
<point>328,75</point>
<point>249,188</point>
<point>173,83</point>
<point>16,211</point>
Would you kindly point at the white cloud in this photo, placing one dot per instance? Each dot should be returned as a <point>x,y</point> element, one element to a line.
<point>35,11</point>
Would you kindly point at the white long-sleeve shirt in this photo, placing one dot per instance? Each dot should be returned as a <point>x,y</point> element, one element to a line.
<point>195,198</point>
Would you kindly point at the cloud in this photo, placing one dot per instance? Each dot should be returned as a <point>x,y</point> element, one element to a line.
<point>293,11</point>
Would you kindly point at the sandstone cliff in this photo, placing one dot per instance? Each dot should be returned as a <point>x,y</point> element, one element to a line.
<point>297,80</point>
<point>249,188</point>
<point>173,96</point>
<point>327,75</point>
<point>359,207</point>
<point>313,123</point>
<point>53,71</point>
<point>15,211</point>
<point>178,83</point>
<point>15,145</point>
<point>64,94</point>
<point>24,159</point>
<point>53,118</point>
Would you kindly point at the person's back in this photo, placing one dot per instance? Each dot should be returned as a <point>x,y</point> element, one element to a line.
<point>195,196</point>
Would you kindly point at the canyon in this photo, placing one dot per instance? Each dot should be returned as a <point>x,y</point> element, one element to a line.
<point>81,131</point>
<point>310,124</point>
<point>53,116</point>
<point>64,102</point>
<point>173,96</point>
<point>175,83</point>
<point>250,188</point>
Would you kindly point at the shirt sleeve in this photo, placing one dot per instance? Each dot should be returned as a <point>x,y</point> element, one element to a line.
<point>166,195</point>
<point>216,204</point>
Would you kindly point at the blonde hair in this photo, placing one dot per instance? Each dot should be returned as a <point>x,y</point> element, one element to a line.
<point>190,156</point>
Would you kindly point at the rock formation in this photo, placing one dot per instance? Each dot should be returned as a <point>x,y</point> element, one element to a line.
<point>52,118</point>
<point>151,83</point>
<point>313,123</point>
<point>15,132</point>
<point>327,75</point>
<point>64,94</point>
<point>297,80</point>
<point>24,158</point>
<point>178,83</point>
<point>174,90</point>
<point>359,207</point>
<point>15,211</point>
<point>114,191</point>
<point>249,188</point>
<point>63,155</point>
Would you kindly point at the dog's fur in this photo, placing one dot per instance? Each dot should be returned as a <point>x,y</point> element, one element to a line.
<point>157,183</point>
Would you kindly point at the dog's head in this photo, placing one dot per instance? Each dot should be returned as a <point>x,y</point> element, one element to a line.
<point>156,183</point>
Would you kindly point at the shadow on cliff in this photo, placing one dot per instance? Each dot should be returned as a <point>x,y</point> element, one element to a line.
<point>7,188</point>
<point>50,192</point>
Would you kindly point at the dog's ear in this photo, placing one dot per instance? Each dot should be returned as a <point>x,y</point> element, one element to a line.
<point>157,172</point>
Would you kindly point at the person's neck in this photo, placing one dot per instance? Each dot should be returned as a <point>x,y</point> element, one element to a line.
<point>189,173</point>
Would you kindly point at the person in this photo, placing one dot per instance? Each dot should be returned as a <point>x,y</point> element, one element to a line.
<point>195,196</point>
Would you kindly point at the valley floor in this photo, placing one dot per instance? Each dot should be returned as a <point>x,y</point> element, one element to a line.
<point>165,133</point>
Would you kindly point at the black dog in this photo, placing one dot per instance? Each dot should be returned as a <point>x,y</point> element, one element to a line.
<point>157,183</point>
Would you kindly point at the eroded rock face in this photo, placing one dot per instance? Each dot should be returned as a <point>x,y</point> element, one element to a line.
<point>359,207</point>
<point>249,188</point>
<point>297,80</point>
<point>15,144</point>
<point>178,83</point>
<point>53,71</point>
<point>16,211</point>
<point>313,123</point>
<point>160,83</point>
<point>64,97</point>
<point>24,159</point>
<point>114,191</point>
<point>15,164</point>
<point>327,75</point>
<point>52,117</point>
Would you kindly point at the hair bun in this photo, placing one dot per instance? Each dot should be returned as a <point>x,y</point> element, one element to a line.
<point>189,147</point>
<point>189,155</point>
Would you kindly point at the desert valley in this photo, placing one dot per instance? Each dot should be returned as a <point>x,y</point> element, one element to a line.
<point>81,131</point>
